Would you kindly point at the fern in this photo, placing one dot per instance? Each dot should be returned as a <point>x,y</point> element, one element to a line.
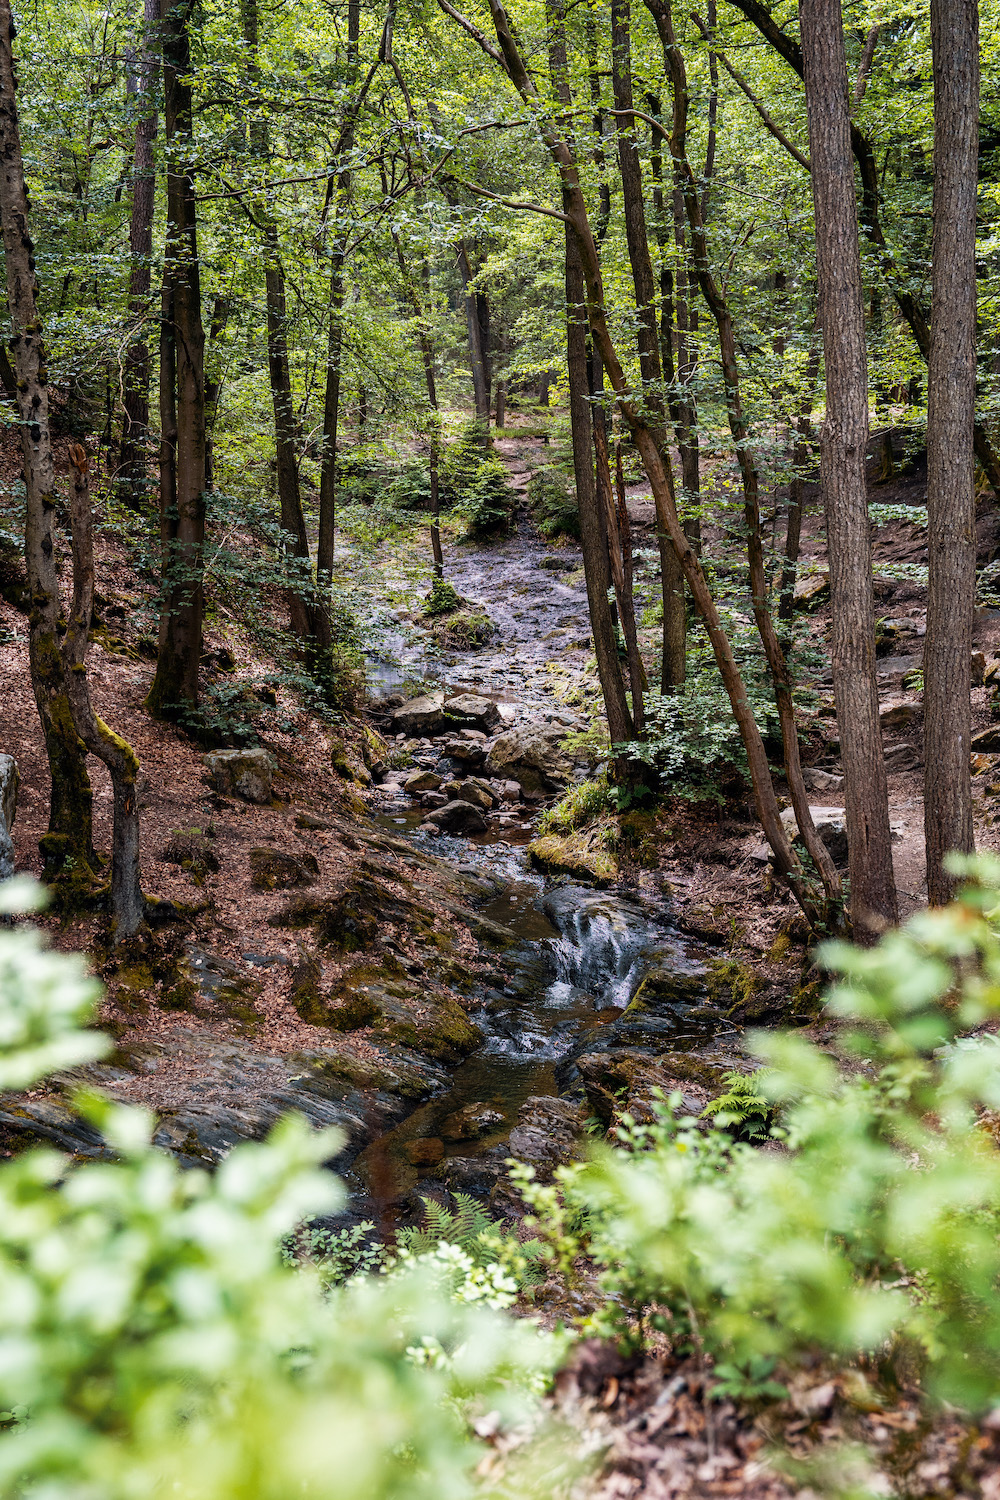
<point>474,1232</point>
<point>743,1109</point>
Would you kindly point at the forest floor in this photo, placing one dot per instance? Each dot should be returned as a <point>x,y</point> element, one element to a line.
<point>658,1432</point>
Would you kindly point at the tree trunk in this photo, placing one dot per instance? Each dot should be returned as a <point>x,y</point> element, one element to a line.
<point>593,535</point>
<point>182,399</point>
<point>68,845</point>
<point>340,188</point>
<point>800,457</point>
<point>951,406</point>
<point>647,338</point>
<point>221,308</point>
<point>131,479</point>
<point>477,353</point>
<point>128,906</point>
<point>842,464</point>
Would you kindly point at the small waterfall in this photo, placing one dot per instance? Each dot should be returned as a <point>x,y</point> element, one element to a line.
<point>599,950</point>
<point>594,961</point>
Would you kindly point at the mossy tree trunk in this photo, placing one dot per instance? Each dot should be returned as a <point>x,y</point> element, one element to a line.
<point>68,845</point>
<point>128,907</point>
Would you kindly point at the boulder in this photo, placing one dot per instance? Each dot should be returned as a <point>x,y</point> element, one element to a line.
<point>832,829</point>
<point>457,817</point>
<point>476,792</point>
<point>274,870</point>
<point>466,752</point>
<point>421,781</point>
<point>9,780</point>
<point>242,773</point>
<point>530,756</point>
<point>346,762</point>
<point>473,711</point>
<point>821,781</point>
<point>558,563</point>
<point>470,1123</point>
<point>420,716</point>
<point>899,715</point>
<point>905,758</point>
<point>812,590</point>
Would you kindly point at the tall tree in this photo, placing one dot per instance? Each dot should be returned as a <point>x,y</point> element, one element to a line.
<point>174,690</point>
<point>293,522</point>
<point>842,467</point>
<point>132,468</point>
<point>951,407</point>
<point>68,845</point>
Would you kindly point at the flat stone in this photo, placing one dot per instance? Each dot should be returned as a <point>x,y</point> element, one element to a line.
<point>987,741</point>
<point>812,590</point>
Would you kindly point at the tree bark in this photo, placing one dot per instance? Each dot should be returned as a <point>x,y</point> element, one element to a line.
<point>842,464</point>
<point>174,691</point>
<point>131,479</point>
<point>800,457</point>
<point>674,639</point>
<point>221,308</point>
<point>68,845</point>
<point>474,326</point>
<point>951,406</point>
<point>128,906</point>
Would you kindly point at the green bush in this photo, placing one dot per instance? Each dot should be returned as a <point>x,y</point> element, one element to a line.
<point>443,599</point>
<point>553,502</point>
<point>474,483</point>
<point>153,1340</point>
<point>874,1229</point>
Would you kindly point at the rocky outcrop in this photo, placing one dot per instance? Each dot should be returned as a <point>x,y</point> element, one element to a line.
<point>248,774</point>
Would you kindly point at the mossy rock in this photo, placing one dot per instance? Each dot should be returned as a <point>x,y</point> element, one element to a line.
<point>466,630</point>
<point>402,1011</point>
<point>581,855</point>
<point>639,834</point>
<point>191,849</point>
<point>348,764</point>
<point>273,869</point>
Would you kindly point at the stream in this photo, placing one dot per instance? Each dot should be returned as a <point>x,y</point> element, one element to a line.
<point>582,953</point>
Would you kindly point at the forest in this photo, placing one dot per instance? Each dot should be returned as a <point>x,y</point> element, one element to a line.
<point>500,749</point>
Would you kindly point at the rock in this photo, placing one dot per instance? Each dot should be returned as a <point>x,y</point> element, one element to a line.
<point>987,741</point>
<point>421,781</point>
<point>978,668</point>
<point>192,850</point>
<point>476,1175</point>
<point>531,757</point>
<point>9,781</point>
<point>470,1123</point>
<point>242,773</point>
<point>274,870</point>
<point>583,856</point>
<point>457,817</point>
<point>510,791</point>
<point>474,711</point>
<point>310,822</point>
<point>399,1012</point>
<point>420,716</point>
<point>477,793</point>
<point>830,826</point>
<point>812,590</point>
<point>466,752</point>
<point>903,757</point>
<point>899,715</point>
<point>346,763</point>
<point>821,781</point>
<point>555,562</point>
<point>547,1132</point>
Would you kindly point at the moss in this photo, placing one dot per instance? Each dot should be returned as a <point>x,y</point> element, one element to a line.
<point>584,856</point>
<point>732,984</point>
<point>779,947</point>
<point>346,764</point>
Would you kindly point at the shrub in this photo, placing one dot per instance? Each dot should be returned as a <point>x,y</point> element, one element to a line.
<point>154,1340</point>
<point>553,502</point>
<point>443,599</point>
